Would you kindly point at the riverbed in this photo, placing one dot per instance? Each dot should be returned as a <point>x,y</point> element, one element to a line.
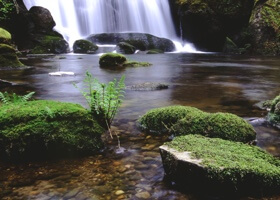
<point>210,82</point>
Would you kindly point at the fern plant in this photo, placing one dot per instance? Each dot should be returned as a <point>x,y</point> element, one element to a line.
<point>103,99</point>
<point>7,98</point>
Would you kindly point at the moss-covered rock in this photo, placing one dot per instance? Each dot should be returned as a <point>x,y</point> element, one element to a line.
<point>183,120</point>
<point>5,36</point>
<point>126,48</point>
<point>160,120</point>
<point>40,129</point>
<point>84,46</point>
<point>136,64</point>
<point>220,167</point>
<point>112,60</point>
<point>274,110</point>
<point>154,51</point>
<point>8,56</point>
<point>50,44</point>
<point>264,27</point>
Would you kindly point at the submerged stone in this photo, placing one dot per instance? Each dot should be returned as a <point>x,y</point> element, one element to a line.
<point>219,166</point>
<point>184,120</point>
<point>44,129</point>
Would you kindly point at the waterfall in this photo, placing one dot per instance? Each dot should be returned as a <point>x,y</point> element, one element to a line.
<point>76,19</point>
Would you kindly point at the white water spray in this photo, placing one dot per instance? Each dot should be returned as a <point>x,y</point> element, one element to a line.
<point>76,19</point>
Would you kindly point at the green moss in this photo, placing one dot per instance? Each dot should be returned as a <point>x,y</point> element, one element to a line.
<point>160,120</point>
<point>274,110</point>
<point>41,128</point>
<point>8,56</point>
<point>231,161</point>
<point>112,60</point>
<point>5,36</point>
<point>154,51</point>
<point>84,46</point>
<point>50,44</point>
<point>138,44</point>
<point>126,48</point>
<point>180,120</point>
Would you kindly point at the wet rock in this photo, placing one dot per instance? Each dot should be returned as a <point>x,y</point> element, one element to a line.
<point>71,194</point>
<point>84,46</point>
<point>42,19</point>
<point>119,192</point>
<point>125,48</point>
<point>143,195</point>
<point>148,86</point>
<point>140,41</point>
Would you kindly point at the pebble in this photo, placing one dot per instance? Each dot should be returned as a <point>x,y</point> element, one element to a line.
<point>119,192</point>
<point>143,195</point>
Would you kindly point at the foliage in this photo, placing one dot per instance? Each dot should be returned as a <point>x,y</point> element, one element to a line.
<point>274,110</point>
<point>5,36</point>
<point>231,161</point>
<point>7,8</point>
<point>47,128</point>
<point>184,120</point>
<point>7,98</point>
<point>103,99</point>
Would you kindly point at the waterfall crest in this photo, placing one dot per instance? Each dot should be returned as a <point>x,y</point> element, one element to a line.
<point>76,19</point>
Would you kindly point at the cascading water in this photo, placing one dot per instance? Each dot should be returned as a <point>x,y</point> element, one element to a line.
<point>76,19</point>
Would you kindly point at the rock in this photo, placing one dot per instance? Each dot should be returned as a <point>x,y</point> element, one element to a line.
<point>112,60</point>
<point>84,46</point>
<point>5,36</point>
<point>140,41</point>
<point>8,56</point>
<point>273,106</point>
<point>143,195</point>
<point>48,44</point>
<point>216,166</point>
<point>125,48</point>
<point>264,28</point>
<point>180,120</point>
<point>42,19</point>
<point>42,129</point>
<point>154,51</point>
<point>148,86</point>
<point>119,192</point>
<point>207,23</point>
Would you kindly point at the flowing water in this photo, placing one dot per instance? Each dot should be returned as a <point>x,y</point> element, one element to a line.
<point>76,19</point>
<point>211,82</point>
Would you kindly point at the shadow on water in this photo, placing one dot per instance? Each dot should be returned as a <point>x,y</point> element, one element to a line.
<point>213,83</point>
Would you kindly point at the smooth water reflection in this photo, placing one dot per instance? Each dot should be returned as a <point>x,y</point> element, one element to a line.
<point>213,83</point>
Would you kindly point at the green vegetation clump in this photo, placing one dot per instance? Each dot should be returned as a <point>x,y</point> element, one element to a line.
<point>234,162</point>
<point>126,48</point>
<point>7,9</point>
<point>119,60</point>
<point>5,36</point>
<point>183,120</point>
<point>38,129</point>
<point>8,56</point>
<point>112,60</point>
<point>160,120</point>
<point>154,51</point>
<point>274,110</point>
<point>50,44</point>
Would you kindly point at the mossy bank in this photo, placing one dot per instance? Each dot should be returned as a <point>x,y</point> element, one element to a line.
<point>42,129</point>
<point>183,120</point>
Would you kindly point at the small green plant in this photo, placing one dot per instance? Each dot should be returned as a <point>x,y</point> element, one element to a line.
<point>103,99</point>
<point>7,98</point>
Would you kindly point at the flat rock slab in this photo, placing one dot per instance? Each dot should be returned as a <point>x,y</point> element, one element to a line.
<point>148,86</point>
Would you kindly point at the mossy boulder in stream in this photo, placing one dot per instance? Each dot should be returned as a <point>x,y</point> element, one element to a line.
<point>84,46</point>
<point>184,120</point>
<point>126,48</point>
<point>8,56</point>
<point>46,44</point>
<point>220,167</point>
<point>43,129</point>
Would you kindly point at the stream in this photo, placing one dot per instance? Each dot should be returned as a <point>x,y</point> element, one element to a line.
<point>210,82</point>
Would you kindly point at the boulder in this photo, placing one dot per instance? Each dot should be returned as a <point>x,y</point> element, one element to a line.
<point>140,41</point>
<point>84,46</point>
<point>154,51</point>
<point>46,129</point>
<point>184,120</point>
<point>42,19</point>
<point>264,28</point>
<point>112,60</point>
<point>219,167</point>
<point>207,23</point>
<point>47,44</point>
<point>8,56</point>
<point>125,48</point>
